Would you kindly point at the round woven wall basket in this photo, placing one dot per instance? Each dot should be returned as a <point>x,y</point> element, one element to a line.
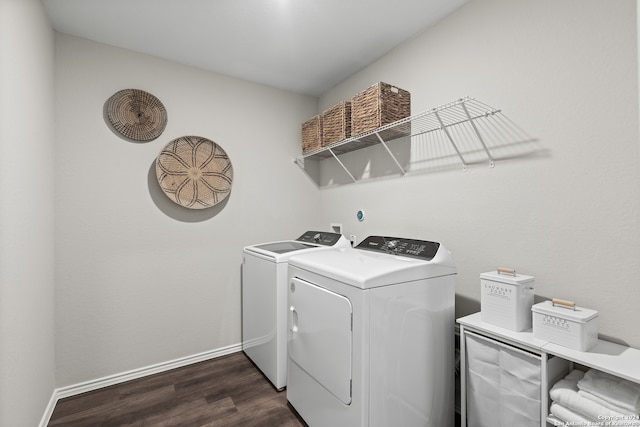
<point>194,172</point>
<point>136,114</point>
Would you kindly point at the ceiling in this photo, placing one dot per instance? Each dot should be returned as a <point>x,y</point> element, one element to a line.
<point>304,46</point>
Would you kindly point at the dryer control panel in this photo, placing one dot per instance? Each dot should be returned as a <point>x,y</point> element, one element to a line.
<point>320,238</point>
<point>422,249</point>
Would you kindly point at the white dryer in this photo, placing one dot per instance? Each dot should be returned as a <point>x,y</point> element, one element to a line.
<point>264,299</point>
<point>371,335</point>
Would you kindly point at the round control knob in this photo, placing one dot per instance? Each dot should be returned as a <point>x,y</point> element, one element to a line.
<point>392,244</point>
<point>317,237</point>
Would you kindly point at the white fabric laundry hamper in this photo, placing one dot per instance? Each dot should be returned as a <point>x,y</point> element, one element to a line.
<point>503,384</point>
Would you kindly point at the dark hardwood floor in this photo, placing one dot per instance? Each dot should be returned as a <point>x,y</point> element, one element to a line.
<point>226,391</point>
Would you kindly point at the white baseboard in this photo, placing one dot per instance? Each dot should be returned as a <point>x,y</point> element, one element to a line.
<point>72,390</point>
<point>49,410</point>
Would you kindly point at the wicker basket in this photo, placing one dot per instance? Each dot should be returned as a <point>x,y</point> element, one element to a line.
<point>194,172</point>
<point>312,134</point>
<point>336,123</point>
<point>136,115</point>
<point>378,105</point>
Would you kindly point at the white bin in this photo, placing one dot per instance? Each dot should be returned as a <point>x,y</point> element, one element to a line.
<point>506,299</point>
<point>573,327</point>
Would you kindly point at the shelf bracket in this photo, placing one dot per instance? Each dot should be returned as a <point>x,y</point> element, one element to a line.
<point>492,162</point>
<point>446,132</point>
<point>342,164</point>
<point>391,154</point>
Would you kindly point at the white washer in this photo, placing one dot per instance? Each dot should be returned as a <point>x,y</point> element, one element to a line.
<point>264,299</point>
<point>371,335</point>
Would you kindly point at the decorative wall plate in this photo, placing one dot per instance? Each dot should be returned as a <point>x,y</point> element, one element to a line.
<point>136,114</point>
<point>194,172</point>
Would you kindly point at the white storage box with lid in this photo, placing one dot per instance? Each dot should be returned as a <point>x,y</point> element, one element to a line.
<point>566,325</point>
<point>506,299</point>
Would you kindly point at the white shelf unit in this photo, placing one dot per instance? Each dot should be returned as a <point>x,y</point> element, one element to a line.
<point>615,359</point>
<point>471,128</point>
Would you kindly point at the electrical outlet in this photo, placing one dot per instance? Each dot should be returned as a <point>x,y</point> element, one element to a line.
<point>352,239</point>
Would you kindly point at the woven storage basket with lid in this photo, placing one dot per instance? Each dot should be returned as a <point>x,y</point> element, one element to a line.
<point>378,105</point>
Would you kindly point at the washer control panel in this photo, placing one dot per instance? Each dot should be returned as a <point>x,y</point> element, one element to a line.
<point>320,238</point>
<point>422,249</point>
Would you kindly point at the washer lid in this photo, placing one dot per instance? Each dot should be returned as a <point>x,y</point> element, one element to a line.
<point>367,269</point>
<point>280,251</point>
<point>284,247</point>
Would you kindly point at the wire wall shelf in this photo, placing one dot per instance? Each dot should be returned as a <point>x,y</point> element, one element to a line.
<point>471,129</point>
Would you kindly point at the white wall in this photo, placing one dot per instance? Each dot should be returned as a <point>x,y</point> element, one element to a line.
<point>141,280</point>
<point>27,357</point>
<point>567,73</point>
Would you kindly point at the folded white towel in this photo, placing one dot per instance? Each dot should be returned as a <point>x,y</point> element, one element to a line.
<point>617,411</point>
<point>567,385</point>
<point>565,392</point>
<point>622,394</point>
<point>576,375</point>
<point>569,416</point>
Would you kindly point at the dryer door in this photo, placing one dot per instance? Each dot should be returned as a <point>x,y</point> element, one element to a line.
<point>320,336</point>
